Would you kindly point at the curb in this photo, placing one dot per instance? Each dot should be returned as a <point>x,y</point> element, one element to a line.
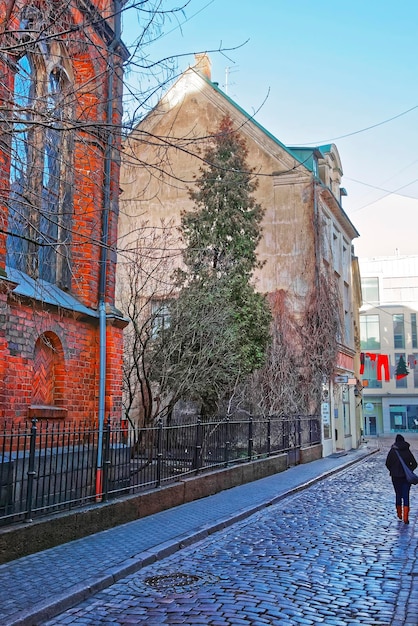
<point>47,609</point>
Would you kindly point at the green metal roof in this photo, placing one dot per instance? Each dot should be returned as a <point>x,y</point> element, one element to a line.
<point>254,121</point>
<point>307,155</point>
<point>326,148</point>
<point>46,292</point>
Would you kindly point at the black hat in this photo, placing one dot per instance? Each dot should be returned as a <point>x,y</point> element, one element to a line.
<point>399,439</point>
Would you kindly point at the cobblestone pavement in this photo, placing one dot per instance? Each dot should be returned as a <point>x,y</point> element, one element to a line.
<point>334,554</point>
<point>37,587</point>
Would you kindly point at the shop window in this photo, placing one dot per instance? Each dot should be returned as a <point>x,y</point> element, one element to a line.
<point>404,417</point>
<point>398,419</point>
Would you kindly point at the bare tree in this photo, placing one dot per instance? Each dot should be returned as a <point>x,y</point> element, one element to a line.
<point>301,356</point>
<point>64,74</point>
<point>145,289</point>
<point>51,108</point>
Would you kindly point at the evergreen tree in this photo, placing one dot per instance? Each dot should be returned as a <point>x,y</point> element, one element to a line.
<point>220,324</point>
<point>223,232</point>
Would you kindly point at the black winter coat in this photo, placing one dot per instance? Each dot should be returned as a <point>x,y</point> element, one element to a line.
<point>393,463</point>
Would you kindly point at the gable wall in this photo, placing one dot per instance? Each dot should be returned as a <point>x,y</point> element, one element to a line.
<point>287,244</point>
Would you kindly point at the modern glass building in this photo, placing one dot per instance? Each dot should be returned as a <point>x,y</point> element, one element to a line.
<point>389,344</point>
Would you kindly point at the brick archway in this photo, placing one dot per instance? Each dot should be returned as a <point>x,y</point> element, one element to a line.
<point>49,369</point>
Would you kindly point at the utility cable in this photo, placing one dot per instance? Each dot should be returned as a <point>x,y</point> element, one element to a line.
<point>362,130</point>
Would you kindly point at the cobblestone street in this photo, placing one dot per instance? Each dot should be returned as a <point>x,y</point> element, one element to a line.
<point>333,554</point>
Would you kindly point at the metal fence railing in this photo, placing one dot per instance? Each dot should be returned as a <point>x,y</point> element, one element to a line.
<point>46,468</point>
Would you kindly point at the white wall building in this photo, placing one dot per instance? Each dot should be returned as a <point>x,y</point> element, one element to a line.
<point>388,331</point>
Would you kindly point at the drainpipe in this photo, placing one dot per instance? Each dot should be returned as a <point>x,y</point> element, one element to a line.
<point>104,251</point>
<point>317,245</point>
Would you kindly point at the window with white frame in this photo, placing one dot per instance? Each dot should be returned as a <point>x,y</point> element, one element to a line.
<point>346,261</point>
<point>398,330</point>
<point>347,314</point>
<point>369,332</point>
<point>370,290</point>
<point>336,250</point>
<point>414,330</point>
<point>401,383</point>
<point>414,366</point>
<point>326,238</point>
<point>370,374</point>
<point>346,410</point>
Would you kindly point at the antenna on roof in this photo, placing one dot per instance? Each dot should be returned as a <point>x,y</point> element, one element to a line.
<point>227,73</point>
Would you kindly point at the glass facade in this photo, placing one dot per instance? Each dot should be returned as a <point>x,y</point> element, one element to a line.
<point>401,383</point>
<point>403,417</point>
<point>370,290</point>
<point>414,366</point>
<point>398,331</point>
<point>414,330</point>
<point>370,374</point>
<point>369,332</point>
<point>389,305</point>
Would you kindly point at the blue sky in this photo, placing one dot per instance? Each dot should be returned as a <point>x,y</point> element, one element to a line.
<point>314,72</point>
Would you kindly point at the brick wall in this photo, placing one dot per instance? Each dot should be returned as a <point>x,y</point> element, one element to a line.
<point>49,356</point>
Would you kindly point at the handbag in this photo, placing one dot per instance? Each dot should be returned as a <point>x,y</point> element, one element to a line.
<point>410,476</point>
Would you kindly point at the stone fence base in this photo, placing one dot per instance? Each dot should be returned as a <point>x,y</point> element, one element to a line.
<point>26,538</point>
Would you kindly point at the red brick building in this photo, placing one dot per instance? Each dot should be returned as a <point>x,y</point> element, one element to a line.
<point>60,107</point>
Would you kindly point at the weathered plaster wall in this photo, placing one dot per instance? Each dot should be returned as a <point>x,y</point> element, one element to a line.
<point>191,112</point>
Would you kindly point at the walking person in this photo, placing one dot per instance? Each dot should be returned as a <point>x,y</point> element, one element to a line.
<point>400,484</point>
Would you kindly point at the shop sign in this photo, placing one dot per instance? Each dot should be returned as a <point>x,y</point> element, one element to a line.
<point>341,380</point>
<point>325,413</point>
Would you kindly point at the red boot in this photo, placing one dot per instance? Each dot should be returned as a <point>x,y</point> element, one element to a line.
<point>399,511</point>
<point>406,514</point>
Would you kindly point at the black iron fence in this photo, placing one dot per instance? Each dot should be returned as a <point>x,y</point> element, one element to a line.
<point>46,468</point>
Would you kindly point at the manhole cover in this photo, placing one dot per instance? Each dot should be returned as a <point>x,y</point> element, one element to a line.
<point>177,581</point>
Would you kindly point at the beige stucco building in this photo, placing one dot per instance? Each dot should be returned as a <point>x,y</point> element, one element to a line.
<point>305,229</point>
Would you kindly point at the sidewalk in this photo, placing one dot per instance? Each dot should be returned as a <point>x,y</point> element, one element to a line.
<point>39,586</point>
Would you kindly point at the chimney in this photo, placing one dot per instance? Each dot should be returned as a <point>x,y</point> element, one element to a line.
<point>203,65</point>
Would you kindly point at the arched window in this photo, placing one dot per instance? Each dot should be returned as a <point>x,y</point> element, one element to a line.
<point>41,171</point>
<point>17,244</point>
<point>52,218</point>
